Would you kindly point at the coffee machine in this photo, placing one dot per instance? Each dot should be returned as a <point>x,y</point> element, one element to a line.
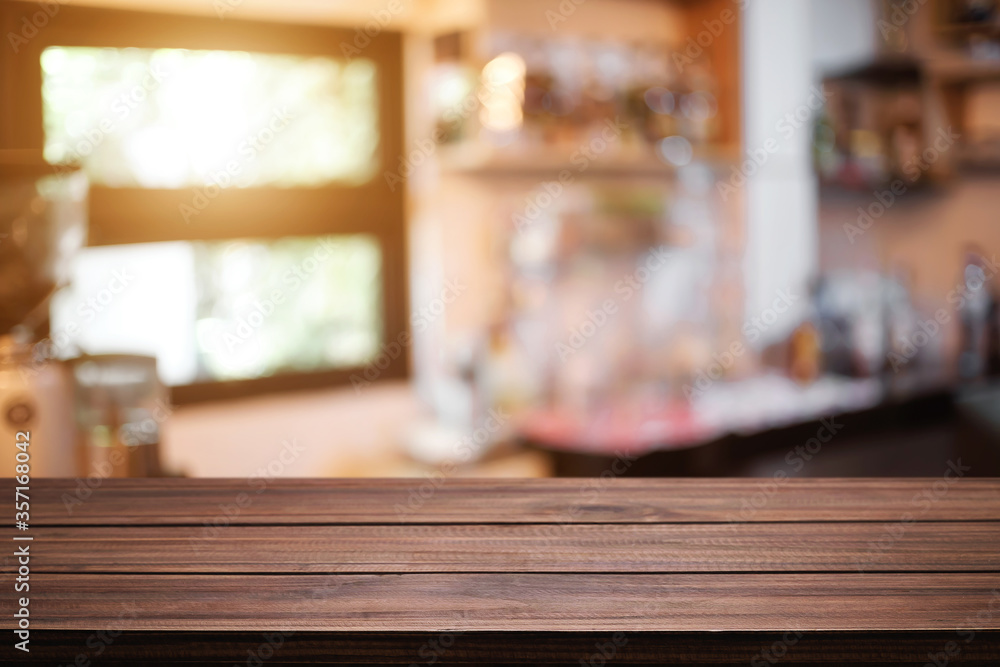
<point>43,223</point>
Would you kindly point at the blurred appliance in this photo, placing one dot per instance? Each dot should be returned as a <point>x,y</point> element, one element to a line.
<point>43,219</point>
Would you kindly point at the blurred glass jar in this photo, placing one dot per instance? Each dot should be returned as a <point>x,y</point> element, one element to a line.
<point>121,406</point>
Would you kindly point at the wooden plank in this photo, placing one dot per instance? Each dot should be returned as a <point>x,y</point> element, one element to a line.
<point>692,649</point>
<point>516,602</point>
<point>369,501</point>
<point>623,548</point>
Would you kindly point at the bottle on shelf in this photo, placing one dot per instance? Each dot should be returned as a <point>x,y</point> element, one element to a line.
<point>974,320</point>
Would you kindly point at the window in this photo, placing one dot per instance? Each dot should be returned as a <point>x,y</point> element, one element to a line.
<point>230,310</point>
<point>171,118</point>
<point>221,155</point>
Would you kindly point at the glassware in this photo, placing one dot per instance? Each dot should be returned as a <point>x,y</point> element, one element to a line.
<point>120,407</point>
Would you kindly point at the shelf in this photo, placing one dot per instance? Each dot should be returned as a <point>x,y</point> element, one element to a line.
<point>551,162</point>
<point>909,71</point>
<point>968,28</point>
<point>918,192</point>
<point>960,70</point>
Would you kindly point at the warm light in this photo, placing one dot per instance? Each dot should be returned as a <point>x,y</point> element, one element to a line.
<point>502,94</point>
<point>173,118</point>
<point>505,69</point>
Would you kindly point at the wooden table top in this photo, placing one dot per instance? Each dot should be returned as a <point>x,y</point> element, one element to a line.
<point>597,556</point>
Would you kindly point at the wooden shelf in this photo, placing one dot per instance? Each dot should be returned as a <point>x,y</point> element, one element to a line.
<point>963,70</point>
<point>550,162</point>
<point>968,28</point>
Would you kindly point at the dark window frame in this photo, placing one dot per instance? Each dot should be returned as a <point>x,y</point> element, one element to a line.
<point>372,208</point>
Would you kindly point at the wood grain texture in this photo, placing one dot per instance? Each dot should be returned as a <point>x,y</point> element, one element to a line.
<point>517,602</point>
<point>531,571</point>
<point>455,501</point>
<point>691,649</point>
<point>621,548</point>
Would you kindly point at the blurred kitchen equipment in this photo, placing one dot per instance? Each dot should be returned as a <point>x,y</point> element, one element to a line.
<point>120,407</point>
<point>43,222</point>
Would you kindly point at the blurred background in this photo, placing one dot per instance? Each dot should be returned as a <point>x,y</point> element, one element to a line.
<point>439,238</point>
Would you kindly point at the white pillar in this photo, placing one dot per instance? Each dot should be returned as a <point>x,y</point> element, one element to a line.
<point>781,251</point>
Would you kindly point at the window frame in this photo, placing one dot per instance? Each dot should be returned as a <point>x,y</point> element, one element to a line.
<point>372,208</point>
